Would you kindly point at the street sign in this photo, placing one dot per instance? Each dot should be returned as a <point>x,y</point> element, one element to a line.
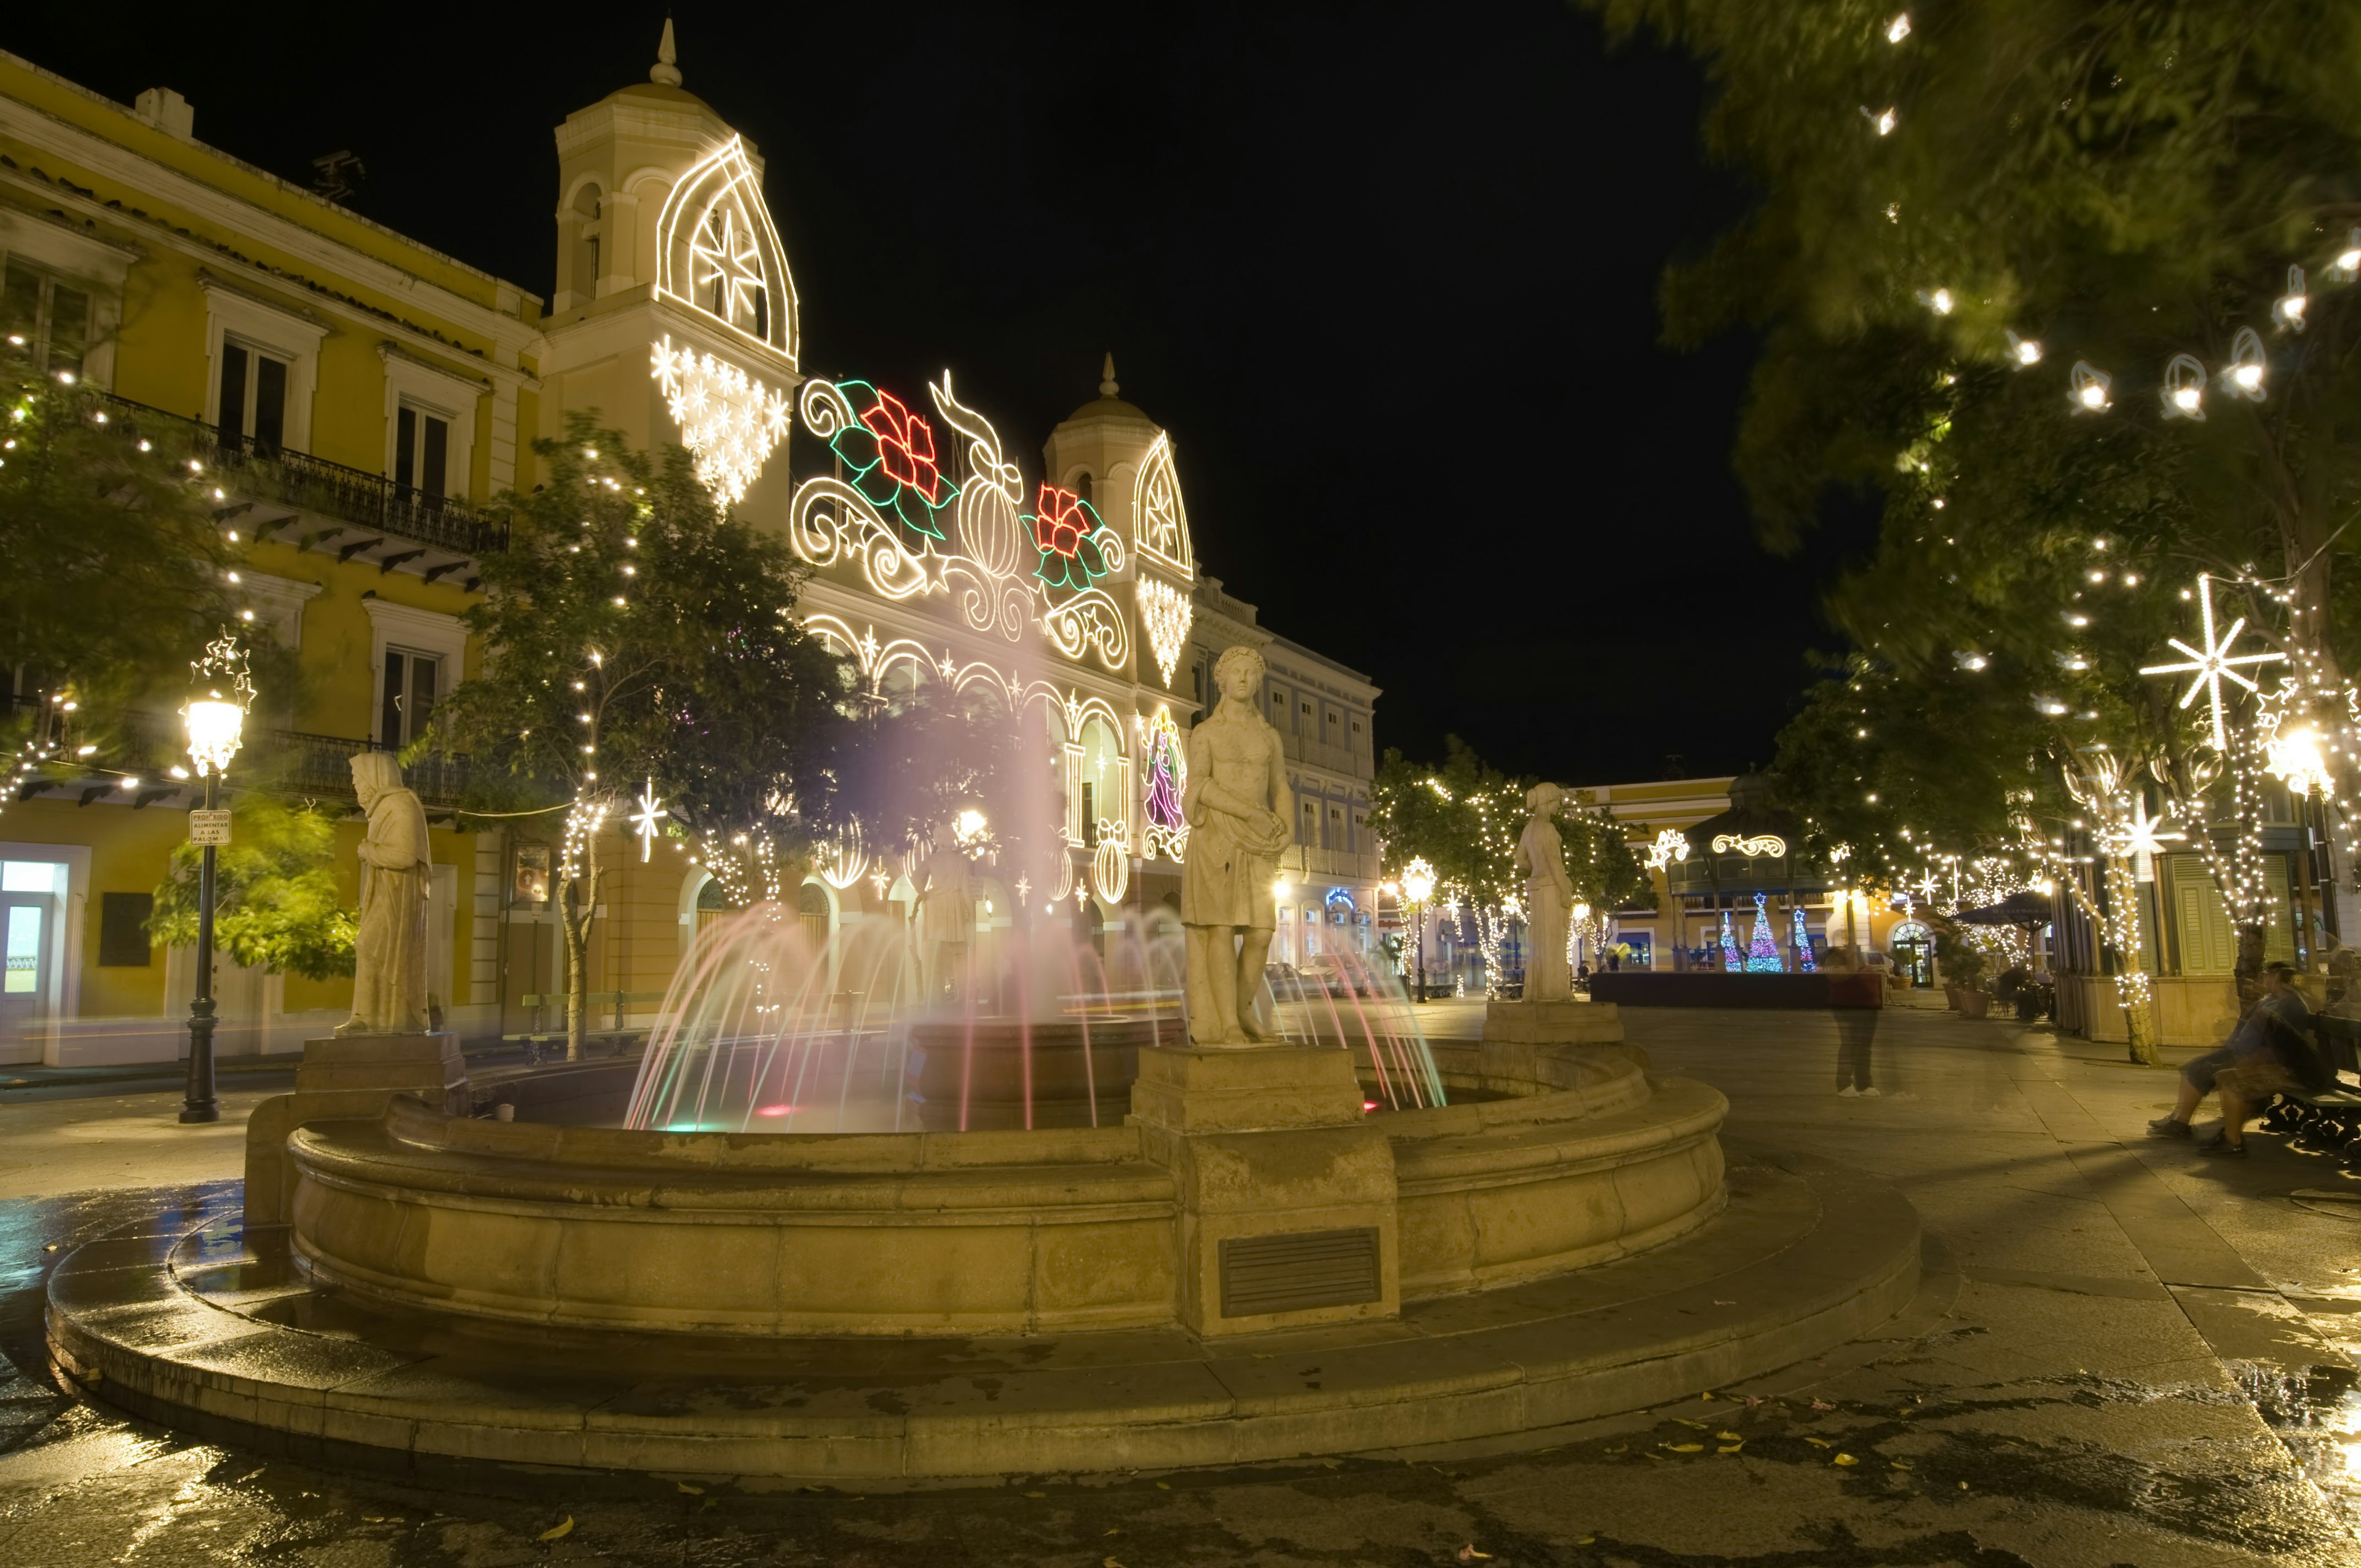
<point>208,827</point>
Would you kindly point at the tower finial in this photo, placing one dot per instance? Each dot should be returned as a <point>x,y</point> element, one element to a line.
<point>1107,388</point>
<point>663,72</point>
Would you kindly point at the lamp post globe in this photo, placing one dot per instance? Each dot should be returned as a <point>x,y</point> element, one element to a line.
<point>215,722</point>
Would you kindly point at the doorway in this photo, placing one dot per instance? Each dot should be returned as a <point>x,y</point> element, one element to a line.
<point>32,897</point>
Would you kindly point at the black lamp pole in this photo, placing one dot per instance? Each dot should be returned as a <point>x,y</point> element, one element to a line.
<point>201,1104</point>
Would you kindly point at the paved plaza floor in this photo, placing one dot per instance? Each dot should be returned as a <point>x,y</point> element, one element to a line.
<point>2123,1352</point>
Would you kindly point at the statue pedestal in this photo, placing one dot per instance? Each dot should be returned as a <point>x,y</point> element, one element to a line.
<point>1515,1031</point>
<point>1287,1191</point>
<point>345,1077</point>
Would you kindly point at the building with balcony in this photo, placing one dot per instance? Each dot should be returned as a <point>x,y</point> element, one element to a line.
<point>360,403</point>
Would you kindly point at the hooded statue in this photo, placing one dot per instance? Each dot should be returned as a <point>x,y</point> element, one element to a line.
<point>397,881</point>
<point>1549,898</point>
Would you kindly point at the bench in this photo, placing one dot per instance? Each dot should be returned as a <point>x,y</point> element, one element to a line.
<point>2327,1121</point>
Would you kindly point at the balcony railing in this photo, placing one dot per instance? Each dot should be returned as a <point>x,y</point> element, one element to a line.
<point>298,479</point>
<point>285,761</point>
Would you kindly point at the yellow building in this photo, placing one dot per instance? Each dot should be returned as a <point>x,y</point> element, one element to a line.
<point>360,399</point>
<point>356,396</point>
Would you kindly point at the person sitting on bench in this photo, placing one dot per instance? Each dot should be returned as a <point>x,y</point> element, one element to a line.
<point>2266,1054</point>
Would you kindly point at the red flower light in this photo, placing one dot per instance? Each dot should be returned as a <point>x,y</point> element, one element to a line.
<point>906,446</point>
<point>1061,523</point>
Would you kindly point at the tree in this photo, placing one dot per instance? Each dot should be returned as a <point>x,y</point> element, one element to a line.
<point>636,635</point>
<point>276,905</point>
<point>1463,819</point>
<point>2002,295</point>
<point>116,564</point>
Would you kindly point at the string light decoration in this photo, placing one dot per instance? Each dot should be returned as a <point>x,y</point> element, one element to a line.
<point>2248,366</point>
<point>2087,387</point>
<point>729,421</point>
<point>1166,831</point>
<point>718,253</point>
<point>2213,662</point>
<point>1159,522</point>
<point>1074,551</point>
<point>888,452</point>
<point>2184,387</point>
<point>1670,845</point>
<point>1165,614</point>
<point>2126,838</point>
<point>222,691</point>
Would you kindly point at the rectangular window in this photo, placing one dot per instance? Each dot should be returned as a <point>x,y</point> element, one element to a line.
<point>253,397</point>
<point>421,452</point>
<point>1311,823</point>
<point>24,948</point>
<point>411,683</point>
<point>1090,813</point>
<point>1197,679</point>
<point>122,940</point>
<point>44,317</point>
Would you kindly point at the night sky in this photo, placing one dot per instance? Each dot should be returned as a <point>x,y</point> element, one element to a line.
<point>1388,273</point>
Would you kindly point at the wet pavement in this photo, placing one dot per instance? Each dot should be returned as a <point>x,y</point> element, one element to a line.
<point>2123,1353</point>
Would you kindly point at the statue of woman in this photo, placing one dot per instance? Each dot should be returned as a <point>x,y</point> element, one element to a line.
<point>1237,778</point>
<point>946,915</point>
<point>1549,898</point>
<point>397,880</point>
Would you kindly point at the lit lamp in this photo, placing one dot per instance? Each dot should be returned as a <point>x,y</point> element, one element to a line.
<point>1418,886</point>
<point>214,716</point>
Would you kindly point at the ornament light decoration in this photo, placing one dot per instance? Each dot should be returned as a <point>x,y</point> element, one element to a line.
<point>1159,522</point>
<point>2209,664</point>
<point>1165,614</point>
<point>2089,385</point>
<point>1167,831</point>
<point>2184,387</point>
<point>718,253</point>
<point>645,818</point>
<point>222,690</point>
<point>2248,366</point>
<point>2289,307</point>
<point>729,421</point>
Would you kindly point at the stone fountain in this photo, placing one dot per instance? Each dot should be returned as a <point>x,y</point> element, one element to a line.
<point>1277,1251</point>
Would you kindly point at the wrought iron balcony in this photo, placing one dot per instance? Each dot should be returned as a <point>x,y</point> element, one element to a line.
<point>284,761</point>
<point>257,471</point>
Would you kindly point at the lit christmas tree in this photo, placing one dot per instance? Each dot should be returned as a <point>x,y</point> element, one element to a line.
<point>1730,962</point>
<point>1803,942</point>
<point>1762,952</point>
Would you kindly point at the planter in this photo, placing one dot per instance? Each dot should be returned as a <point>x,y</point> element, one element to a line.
<point>1972,1003</point>
<point>1951,997</point>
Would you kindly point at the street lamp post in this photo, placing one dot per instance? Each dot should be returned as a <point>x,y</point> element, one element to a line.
<point>214,721</point>
<point>1418,885</point>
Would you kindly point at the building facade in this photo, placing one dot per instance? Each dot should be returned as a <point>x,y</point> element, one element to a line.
<point>361,399</point>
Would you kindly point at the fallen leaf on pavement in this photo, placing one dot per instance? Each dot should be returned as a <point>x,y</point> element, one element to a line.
<point>1729,1448</point>
<point>1729,1437</point>
<point>1822,1405</point>
<point>1818,1442</point>
<point>1719,1302</point>
<point>1685,1447</point>
<point>558,1529</point>
<point>692,1491</point>
<point>1469,1553</point>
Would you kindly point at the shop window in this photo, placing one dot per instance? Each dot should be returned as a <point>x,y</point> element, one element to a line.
<point>253,397</point>
<point>44,317</point>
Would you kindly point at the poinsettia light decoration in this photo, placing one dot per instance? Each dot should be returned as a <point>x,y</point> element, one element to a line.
<point>729,421</point>
<point>1066,531</point>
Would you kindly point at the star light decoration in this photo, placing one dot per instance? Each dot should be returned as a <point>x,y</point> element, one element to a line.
<point>645,818</point>
<point>728,418</point>
<point>2208,665</point>
<point>725,258</point>
<point>1671,845</point>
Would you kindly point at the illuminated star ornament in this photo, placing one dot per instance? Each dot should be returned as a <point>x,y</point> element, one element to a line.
<point>2208,665</point>
<point>650,811</point>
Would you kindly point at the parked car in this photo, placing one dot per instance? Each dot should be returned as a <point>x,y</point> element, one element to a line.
<point>1337,977</point>
<point>1287,984</point>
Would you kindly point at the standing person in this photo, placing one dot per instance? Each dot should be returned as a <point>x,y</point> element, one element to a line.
<point>2266,1053</point>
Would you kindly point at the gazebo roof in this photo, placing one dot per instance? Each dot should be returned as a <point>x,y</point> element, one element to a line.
<point>1754,847</point>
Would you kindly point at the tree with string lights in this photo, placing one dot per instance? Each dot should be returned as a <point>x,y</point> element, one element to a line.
<point>2071,291</point>
<point>637,638</point>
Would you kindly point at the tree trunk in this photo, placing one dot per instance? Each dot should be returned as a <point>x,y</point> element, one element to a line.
<point>576,918</point>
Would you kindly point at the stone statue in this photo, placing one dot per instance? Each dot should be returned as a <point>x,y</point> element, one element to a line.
<point>946,915</point>
<point>1237,778</point>
<point>1549,898</point>
<point>397,880</point>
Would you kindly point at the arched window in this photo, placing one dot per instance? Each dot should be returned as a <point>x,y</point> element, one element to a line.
<point>1082,487</point>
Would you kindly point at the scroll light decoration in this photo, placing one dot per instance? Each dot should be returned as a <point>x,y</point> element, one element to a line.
<point>1758,845</point>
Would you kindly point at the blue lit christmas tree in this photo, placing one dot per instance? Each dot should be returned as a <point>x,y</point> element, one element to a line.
<point>1803,942</point>
<point>1762,952</point>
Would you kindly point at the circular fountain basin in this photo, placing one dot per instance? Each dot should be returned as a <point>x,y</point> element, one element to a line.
<point>974,1075</point>
<point>1579,1160</point>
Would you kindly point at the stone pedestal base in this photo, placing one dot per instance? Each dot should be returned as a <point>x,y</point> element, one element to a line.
<point>345,1077</point>
<point>1286,1198</point>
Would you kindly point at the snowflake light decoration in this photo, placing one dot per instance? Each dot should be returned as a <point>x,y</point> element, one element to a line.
<point>1165,615</point>
<point>729,421</point>
<point>2208,665</point>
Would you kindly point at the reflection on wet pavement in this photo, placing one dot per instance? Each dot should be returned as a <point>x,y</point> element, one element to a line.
<point>2070,1388</point>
